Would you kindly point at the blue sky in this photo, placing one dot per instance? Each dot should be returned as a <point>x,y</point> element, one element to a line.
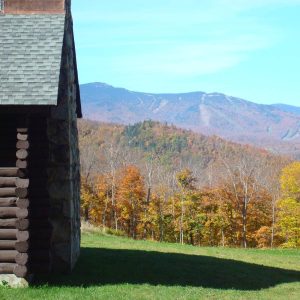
<point>244,48</point>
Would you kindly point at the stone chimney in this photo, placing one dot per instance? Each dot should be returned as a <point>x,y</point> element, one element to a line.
<point>35,6</point>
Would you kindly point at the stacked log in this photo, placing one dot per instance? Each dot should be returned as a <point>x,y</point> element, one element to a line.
<point>25,229</point>
<point>22,186</point>
<point>39,208</point>
<point>14,212</point>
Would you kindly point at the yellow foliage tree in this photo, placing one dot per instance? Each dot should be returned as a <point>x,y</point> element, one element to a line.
<point>88,199</point>
<point>289,206</point>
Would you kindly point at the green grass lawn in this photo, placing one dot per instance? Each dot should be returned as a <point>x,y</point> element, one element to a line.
<point>120,268</point>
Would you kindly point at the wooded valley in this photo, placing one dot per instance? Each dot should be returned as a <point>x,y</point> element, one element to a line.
<point>155,181</point>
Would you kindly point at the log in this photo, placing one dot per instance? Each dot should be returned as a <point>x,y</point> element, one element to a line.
<point>22,154</point>
<point>8,234</point>
<point>8,172</point>
<point>21,246</point>
<point>22,236</point>
<point>22,145</point>
<point>22,173</point>
<point>22,224</point>
<point>22,183</point>
<point>8,212</point>
<point>22,136</point>
<point>21,258</point>
<point>7,268</point>
<point>22,164</point>
<point>20,271</point>
<point>21,192</point>
<point>8,223</point>
<point>6,202</point>
<point>22,130</point>
<point>22,203</point>
<point>7,181</point>
<point>8,255</point>
<point>8,245</point>
<point>8,192</point>
<point>22,213</point>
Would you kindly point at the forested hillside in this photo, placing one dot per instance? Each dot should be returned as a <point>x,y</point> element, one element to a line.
<point>154,181</point>
<point>273,127</point>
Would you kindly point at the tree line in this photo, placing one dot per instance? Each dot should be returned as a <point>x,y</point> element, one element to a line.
<point>248,199</point>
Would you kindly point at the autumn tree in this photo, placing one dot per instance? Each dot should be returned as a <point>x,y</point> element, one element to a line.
<point>131,197</point>
<point>88,198</point>
<point>104,209</point>
<point>241,177</point>
<point>186,182</point>
<point>289,205</point>
<point>198,190</point>
<point>271,182</point>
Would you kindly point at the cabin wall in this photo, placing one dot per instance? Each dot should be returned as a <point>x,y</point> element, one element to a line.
<point>25,228</point>
<point>39,191</point>
<point>64,166</point>
<point>51,171</point>
<point>8,140</point>
<point>14,211</point>
<point>40,210</point>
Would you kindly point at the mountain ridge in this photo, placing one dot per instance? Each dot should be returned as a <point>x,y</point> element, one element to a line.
<point>275,127</point>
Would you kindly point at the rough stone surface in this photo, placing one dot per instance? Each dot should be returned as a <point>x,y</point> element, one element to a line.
<point>64,168</point>
<point>13,281</point>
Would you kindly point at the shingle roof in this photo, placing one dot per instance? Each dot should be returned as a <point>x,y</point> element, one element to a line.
<point>30,58</point>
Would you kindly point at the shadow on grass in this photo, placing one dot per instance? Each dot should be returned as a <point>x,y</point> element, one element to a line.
<point>98,267</point>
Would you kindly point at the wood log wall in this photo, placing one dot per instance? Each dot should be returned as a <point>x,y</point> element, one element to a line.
<point>39,207</point>
<point>25,230</point>
<point>14,213</point>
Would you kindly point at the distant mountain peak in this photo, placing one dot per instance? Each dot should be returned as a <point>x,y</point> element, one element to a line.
<point>272,126</point>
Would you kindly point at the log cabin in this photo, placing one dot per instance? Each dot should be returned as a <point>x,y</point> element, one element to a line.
<point>39,156</point>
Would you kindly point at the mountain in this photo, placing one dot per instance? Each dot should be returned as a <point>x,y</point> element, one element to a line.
<point>171,148</point>
<point>288,108</point>
<point>274,127</point>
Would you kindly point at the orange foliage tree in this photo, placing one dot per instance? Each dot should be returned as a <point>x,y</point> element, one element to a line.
<point>131,198</point>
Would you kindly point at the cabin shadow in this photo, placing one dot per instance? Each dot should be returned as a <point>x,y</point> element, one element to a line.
<point>98,267</point>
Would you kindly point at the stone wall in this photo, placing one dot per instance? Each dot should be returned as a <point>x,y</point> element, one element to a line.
<point>64,167</point>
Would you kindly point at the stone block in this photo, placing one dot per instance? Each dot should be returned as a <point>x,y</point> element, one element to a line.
<point>13,281</point>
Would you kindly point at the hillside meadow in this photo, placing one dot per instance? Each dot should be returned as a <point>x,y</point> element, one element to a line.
<point>113,267</point>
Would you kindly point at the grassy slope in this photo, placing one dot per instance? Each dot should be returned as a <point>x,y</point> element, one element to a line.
<point>119,268</point>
